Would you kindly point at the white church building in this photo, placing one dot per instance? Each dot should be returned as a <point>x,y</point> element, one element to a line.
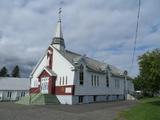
<point>74,78</point>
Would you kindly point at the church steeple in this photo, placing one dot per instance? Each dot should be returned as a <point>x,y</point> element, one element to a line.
<point>58,41</point>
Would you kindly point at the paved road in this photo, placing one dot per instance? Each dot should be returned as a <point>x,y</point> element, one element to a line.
<point>96,111</point>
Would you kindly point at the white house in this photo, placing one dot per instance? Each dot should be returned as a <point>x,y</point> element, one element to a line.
<point>75,78</point>
<point>12,89</point>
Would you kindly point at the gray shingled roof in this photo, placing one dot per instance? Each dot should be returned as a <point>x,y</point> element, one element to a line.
<point>92,64</point>
<point>10,83</point>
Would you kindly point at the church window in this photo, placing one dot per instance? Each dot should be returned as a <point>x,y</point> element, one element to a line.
<point>92,80</point>
<point>9,94</point>
<point>63,80</point>
<point>22,93</point>
<point>95,80</point>
<point>107,80</point>
<point>66,80</point>
<point>81,75</point>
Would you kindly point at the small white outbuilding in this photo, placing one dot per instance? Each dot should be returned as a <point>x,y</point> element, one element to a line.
<point>12,89</point>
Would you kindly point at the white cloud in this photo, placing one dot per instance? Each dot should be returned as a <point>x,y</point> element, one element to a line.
<point>103,29</point>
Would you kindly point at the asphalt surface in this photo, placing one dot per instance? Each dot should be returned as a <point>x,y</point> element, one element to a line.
<point>95,111</point>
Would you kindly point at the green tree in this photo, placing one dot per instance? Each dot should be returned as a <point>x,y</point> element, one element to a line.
<point>16,71</point>
<point>137,83</point>
<point>4,72</point>
<point>149,77</point>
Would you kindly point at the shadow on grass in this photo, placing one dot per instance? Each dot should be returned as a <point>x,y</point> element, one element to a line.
<point>157,103</point>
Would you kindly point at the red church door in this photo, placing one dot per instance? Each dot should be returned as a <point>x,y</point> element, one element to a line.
<point>47,83</point>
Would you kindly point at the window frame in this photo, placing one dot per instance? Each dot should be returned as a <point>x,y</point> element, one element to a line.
<point>9,94</point>
<point>81,75</point>
<point>107,80</point>
<point>66,80</point>
<point>92,80</point>
<point>63,81</point>
<point>95,80</point>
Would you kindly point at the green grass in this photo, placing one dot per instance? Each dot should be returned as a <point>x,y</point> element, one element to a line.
<point>146,109</point>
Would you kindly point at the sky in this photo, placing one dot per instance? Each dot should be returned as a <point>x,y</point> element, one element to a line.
<point>101,29</point>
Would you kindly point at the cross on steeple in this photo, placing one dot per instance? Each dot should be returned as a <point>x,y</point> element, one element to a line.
<point>60,11</point>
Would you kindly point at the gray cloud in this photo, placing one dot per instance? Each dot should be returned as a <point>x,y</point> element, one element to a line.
<point>103,29</point>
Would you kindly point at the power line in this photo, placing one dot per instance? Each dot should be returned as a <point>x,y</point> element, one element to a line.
<point>136,35</point>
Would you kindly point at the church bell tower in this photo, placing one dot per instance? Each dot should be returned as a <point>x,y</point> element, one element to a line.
<point>58,41</point>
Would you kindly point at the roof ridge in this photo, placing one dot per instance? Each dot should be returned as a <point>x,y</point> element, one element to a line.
<point>86,57</point>
<point>73,52</point>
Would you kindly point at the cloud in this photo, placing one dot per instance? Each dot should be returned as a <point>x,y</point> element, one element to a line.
<point>103,29</point>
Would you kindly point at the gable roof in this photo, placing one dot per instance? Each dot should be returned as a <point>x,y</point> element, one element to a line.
<point>11,83</point>
<point>48,70</point>
<point>92,64</point>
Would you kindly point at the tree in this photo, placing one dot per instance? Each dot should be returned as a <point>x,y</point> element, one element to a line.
<point>4,72</point>
<point>16,71</point>
<point>137,83</point>
<point>149,77</point>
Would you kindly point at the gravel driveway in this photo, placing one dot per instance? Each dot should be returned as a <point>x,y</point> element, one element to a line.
<point>96,111</point>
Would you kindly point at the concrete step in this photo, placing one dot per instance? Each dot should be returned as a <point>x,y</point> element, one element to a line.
<point>39,99</point>
<point>26,99</point>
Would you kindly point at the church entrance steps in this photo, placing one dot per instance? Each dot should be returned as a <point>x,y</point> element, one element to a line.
<point>26,99</point>
<point>39,99</point>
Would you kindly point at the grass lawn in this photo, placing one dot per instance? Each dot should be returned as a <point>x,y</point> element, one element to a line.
<point>146,109</point>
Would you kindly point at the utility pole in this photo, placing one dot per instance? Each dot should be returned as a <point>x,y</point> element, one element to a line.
<point>125,84</point>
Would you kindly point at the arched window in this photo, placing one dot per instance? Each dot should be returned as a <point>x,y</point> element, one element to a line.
<point>81,75</point>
